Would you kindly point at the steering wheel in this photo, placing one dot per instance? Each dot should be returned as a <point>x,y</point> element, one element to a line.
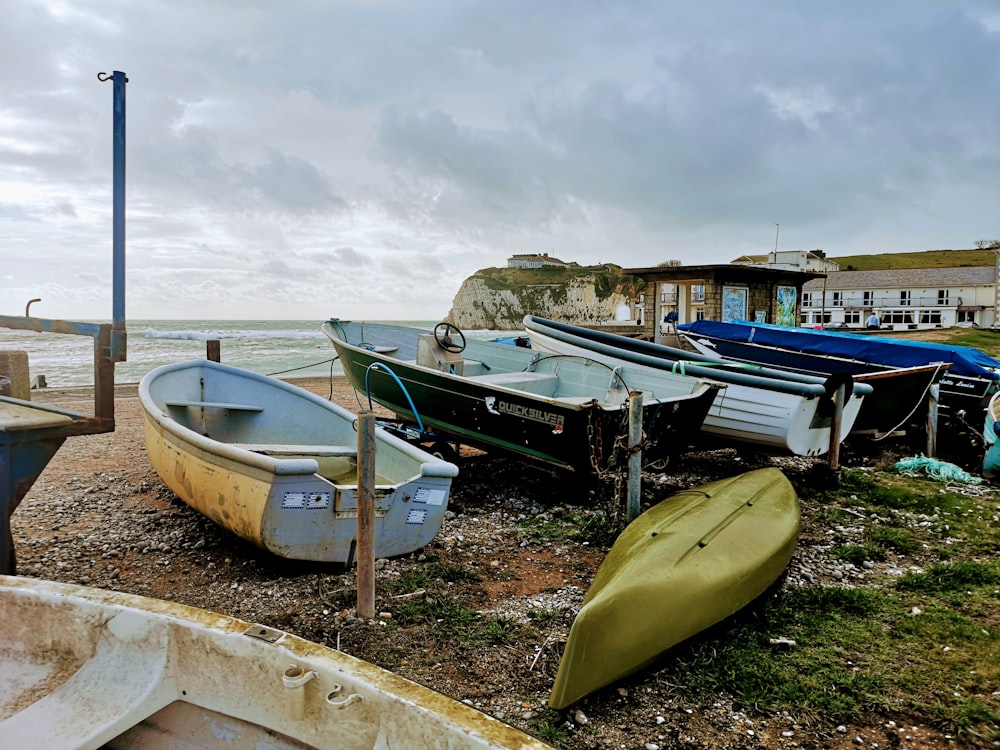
<point>442,335</point>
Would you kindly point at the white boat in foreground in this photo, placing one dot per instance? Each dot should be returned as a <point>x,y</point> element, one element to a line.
<point>86,668</point>
<point>277,465</point>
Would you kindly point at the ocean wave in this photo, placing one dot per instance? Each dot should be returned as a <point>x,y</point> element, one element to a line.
<point>196,335</point>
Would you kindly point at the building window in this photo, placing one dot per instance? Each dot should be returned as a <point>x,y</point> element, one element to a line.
<point>807,299</point>
<point>966,316</point>
<point>930,317</point>
<point>943,296</point>
<point>868,299</point>
<point>898,317</point>
<point>852,317</point>
<point>904,297</point>
<point>698,293</point>
<point>838,299</point>
<point>699,314</point>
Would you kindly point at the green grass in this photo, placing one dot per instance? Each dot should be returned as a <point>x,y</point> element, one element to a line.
<point>926,643</point>
<point>926,259</point>
<point>593,527</point>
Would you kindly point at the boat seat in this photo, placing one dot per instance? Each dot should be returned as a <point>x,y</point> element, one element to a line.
<point>278,449</point>
<point>213,405</point>
<point>542,383</point>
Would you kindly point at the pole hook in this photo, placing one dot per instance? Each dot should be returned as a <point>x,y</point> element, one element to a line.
<point>102,77</point>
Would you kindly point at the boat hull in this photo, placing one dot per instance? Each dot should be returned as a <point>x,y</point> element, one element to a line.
<point>267,474</point>
<point>899,397</point>
<point>966,386</point>
<point>684,565</point>
<point>86,668</point>
<point>786,416</point>
<point>521,411</point>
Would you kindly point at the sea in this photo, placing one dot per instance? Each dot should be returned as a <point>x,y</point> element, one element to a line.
<point>282,348</point>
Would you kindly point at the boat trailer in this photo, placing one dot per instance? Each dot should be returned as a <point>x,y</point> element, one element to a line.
<point>31,433</point>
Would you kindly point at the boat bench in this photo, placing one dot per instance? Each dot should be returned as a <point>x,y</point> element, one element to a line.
<point>213,405</point>
<point>541,383</point>
<point>278,449</point>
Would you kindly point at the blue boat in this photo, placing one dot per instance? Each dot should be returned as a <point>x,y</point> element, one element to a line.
<point>972,377</point>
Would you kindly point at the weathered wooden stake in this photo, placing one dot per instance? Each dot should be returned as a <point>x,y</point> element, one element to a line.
<point>932,420</point>
<point>835,422</point>
<point>213,350</point>
<point>635,455</point>
<point>366,514</point>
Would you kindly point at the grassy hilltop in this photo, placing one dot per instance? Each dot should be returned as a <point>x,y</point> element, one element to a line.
<point>925,259</point>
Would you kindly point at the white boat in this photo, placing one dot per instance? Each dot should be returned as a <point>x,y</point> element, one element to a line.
<point>277,465</point>
<point>773,411</point>
<point>86,668</point>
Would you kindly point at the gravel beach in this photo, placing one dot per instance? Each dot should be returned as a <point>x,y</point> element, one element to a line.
<point>100,516</point>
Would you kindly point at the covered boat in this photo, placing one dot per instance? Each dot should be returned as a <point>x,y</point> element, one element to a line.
<point>86,668</point>
<point>569,413</point>
<point>900,396</point>
<point>971,376</point>
<point>774,411</point>
<point>277,465</point>
<point>683,565</point>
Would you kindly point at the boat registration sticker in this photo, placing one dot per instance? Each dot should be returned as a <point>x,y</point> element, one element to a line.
<point>416,517</point>
<point>429,495</point>
<point>306,500</point>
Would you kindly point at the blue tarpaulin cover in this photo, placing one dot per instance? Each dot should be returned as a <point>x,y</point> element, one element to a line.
<point>876,349</point>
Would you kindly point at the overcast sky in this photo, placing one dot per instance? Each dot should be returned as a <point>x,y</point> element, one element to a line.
<point>302,160</point>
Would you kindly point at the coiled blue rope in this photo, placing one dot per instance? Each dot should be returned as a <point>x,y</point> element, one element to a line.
<point>935,469</point>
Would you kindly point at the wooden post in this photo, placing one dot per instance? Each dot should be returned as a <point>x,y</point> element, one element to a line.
<point>835,422</point>
<point>635,455</point>
<point>213,350</point>
<point>366,514</point>
<point>932,420</point>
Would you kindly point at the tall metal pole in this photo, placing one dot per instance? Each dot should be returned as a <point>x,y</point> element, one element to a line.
<point>118,345</point>
<point>777,228</point>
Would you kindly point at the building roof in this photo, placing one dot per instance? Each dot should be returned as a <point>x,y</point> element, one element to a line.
<point>722,273</point>
<point>906,278</point>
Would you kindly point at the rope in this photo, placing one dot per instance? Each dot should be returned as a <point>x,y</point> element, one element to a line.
<point>314,364</point>
<point>935,469</point>
<point>913,411</point>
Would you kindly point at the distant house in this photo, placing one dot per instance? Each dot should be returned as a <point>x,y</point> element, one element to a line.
<point>903,298</point>
<point>791,260</point>
<point>534,260</point>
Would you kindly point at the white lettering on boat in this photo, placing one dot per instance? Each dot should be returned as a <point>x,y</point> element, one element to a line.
<point>528,412</point>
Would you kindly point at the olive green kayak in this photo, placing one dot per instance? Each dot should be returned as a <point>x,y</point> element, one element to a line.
<point>684,565</point>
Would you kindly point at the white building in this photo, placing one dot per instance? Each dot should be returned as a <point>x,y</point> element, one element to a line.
<point>902,298</point>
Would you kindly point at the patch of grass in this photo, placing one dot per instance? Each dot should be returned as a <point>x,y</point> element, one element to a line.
<point>856,554</point>
<point>958,576</point>
<point>501,631</point>
<point>893,538</point>
<point>545,617</point>
<point>859,650</point>
<point>596,529</point>
<point>548,726</point>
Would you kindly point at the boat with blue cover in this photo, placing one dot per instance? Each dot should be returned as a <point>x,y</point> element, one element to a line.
<point>972,376</point>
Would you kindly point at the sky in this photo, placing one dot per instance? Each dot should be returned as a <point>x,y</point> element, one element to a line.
<point>361,158</point>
